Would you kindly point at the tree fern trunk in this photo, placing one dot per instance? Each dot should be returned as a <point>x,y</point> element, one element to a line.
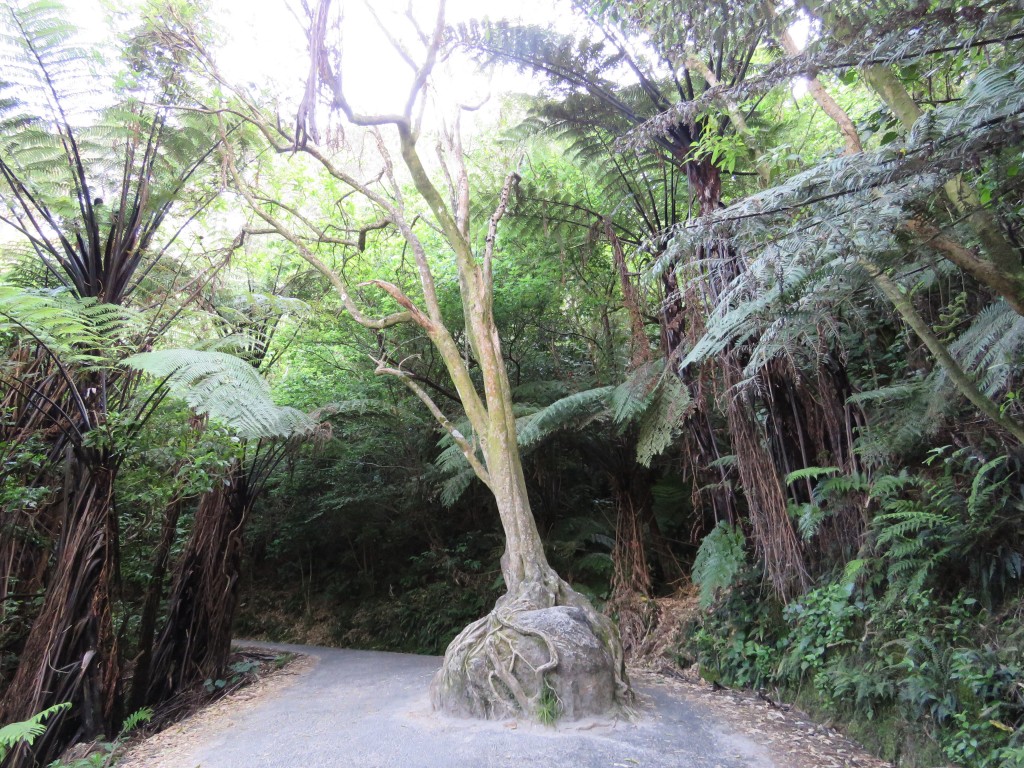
<point>151,606</point>
<point>631,586</point>
<point>71,652</point>
<point>766,501</point>
<point>195,642</point>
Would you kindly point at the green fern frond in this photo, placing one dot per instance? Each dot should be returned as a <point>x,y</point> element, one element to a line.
<point>596,564</point>
<point>719,560</point>
<point>991,347</point>
<point>809,473</point>
<point>457,484</point>
<point>69,328</point>
<point>226,388</point>
<point>135,719</point>
<point>670,495</point>
<point>27,731</point>
<point>982,490</point>
<point>634,396</point>
<point>659,424</point>
<point>569,412</point>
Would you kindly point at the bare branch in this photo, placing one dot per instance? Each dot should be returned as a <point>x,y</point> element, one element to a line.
<point>340,287</point>
<point>492,227</point>
<point>468,449</point>
<point>395,42</point>
<point>428,63</point>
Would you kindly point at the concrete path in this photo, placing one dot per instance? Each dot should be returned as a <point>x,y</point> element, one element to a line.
<point>371,710</point>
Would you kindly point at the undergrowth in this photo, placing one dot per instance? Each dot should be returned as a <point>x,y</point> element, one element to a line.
<point>923,672</point>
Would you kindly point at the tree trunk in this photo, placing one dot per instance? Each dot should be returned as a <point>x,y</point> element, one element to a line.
<point>71,652</point>
<point>196,639</point>
<point>766,501</point>
<point>630,597</point>
<point>151,606</point>
<point>543,651</point>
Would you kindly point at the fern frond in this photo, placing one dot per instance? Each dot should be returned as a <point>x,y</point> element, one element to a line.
<point>69,328</point>
<point>569,412</point>
<point>135,719</point>
<point>634,396</point>
<point>226,388</point>
<point>809,473</point>
<point>27,731</point>
<point>660,422</point>
<point>721,556</point>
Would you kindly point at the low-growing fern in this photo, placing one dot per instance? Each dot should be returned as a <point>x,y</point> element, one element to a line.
<point>719,560</point>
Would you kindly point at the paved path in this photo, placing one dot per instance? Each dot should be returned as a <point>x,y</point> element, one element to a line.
<point>371,710</point>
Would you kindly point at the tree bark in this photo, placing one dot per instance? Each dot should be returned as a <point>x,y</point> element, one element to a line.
<point>151,606</point>
<point>195,641</point>
<point>71,653</point>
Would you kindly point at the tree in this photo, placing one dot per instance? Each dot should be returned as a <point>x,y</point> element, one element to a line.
<point>542,639</point>
<point>59,160</point>
<point>643,120</point>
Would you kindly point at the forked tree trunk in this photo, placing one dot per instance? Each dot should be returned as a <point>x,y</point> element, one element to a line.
<point>71,652</point>
<point>543,651</point>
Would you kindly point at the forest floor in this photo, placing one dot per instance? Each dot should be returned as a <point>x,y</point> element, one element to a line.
<point>346,707</point>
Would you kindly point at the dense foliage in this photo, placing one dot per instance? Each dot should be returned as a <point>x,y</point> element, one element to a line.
<point>761,304</point>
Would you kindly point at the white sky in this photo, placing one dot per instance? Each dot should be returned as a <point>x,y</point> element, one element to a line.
<point>266,43</point>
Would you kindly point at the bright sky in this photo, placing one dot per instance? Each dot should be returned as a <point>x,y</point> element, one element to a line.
<point>266,42</point>
<point>376,79</point>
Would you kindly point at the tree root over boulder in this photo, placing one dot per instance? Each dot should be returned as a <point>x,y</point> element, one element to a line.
<point>537,650</point>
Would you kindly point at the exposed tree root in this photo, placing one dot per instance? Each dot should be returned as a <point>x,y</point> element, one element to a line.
<point>543,640</point>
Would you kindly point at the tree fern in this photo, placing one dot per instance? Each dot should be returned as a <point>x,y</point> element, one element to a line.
<point>659,424</point>
<point>721,556</point>
<point>226,388</point>
<point>850,211</point>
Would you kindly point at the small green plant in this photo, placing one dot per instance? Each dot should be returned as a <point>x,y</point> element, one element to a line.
<point>135,719</point>
<point>548,707</point>
<point>283,659</point>
<point>211,685</point>
<point>719,560</point>
<point>104,754</point>
<point>27,731</point>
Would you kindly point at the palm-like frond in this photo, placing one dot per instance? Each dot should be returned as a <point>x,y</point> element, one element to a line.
<point>571,412</point>
<point>721,555</point>
<point>87,190</point>
<point>74,331</point>
<point>225,387</point>
<point>660,423</point>
<point>991,347</point>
